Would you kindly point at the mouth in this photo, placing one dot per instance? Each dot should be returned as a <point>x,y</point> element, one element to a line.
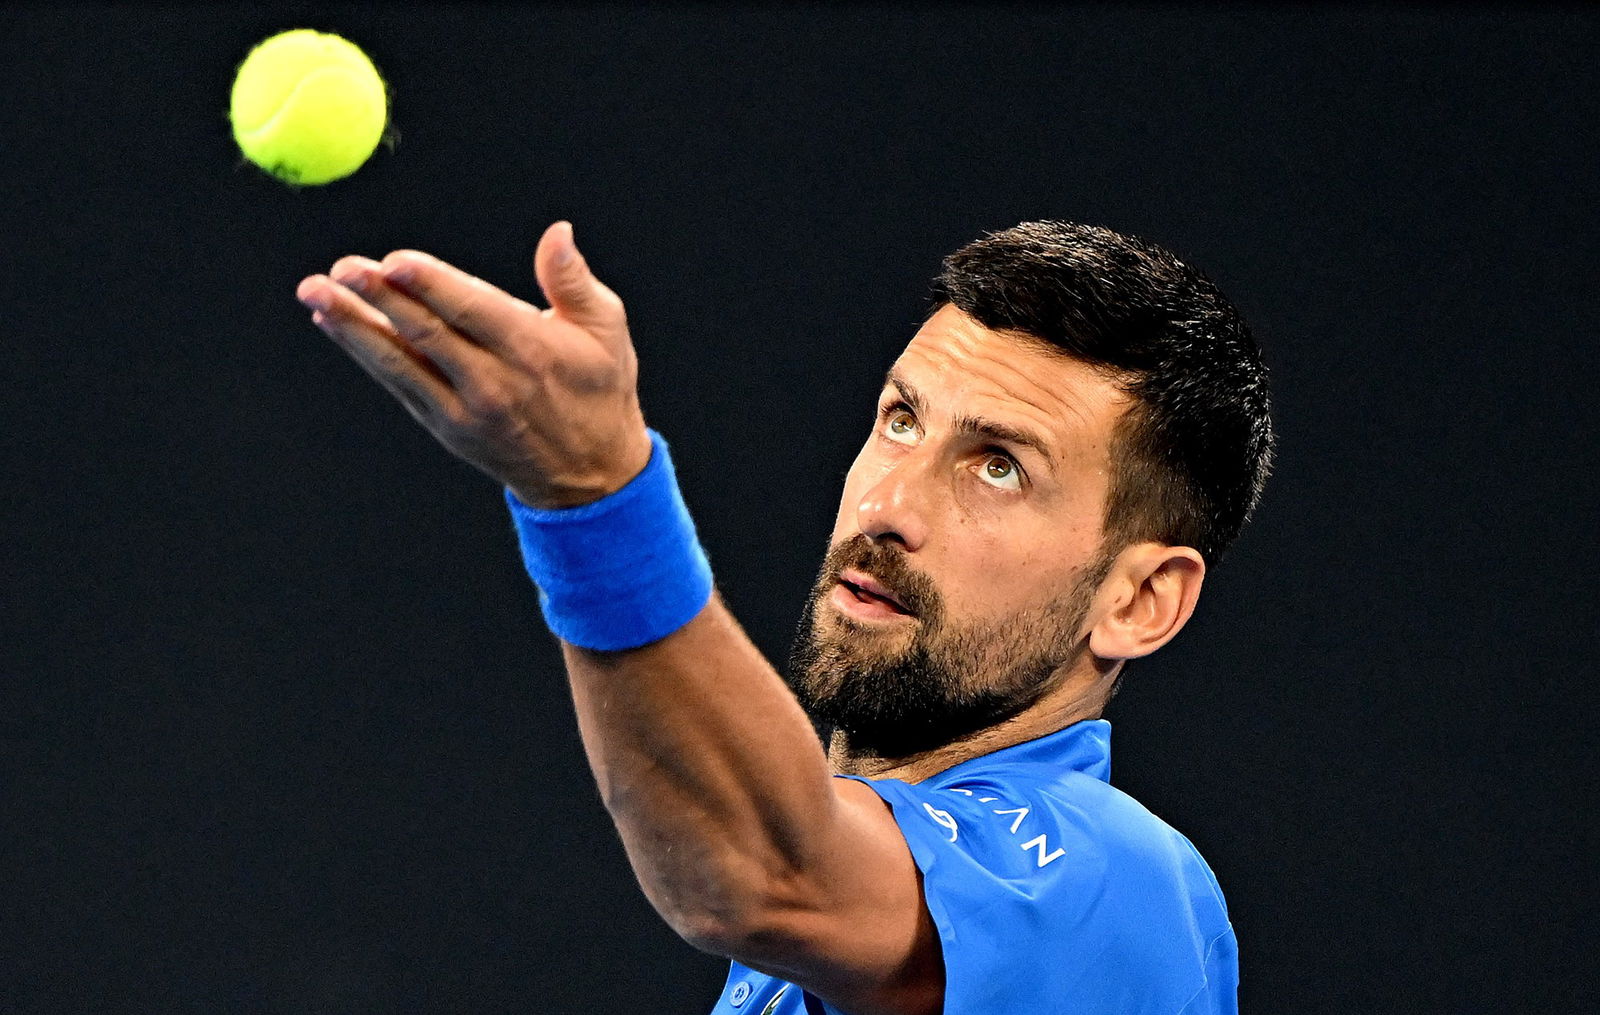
<point>860,595</point>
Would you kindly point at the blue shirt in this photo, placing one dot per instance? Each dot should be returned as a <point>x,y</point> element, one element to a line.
<point>1053,892</point>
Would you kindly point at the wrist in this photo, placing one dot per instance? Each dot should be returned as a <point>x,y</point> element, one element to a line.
<point>620,571</point>
<point>585,486</point>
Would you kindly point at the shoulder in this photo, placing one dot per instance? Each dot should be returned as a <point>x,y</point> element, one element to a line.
<point>1044,817</point>
<point>1045,881</point>
<point>1065,837</point>
<point>1059,886</point>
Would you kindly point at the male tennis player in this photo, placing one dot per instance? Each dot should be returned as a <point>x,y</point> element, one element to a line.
<point>1073,436</point>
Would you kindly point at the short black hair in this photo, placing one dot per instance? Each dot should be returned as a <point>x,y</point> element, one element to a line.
<point>1191,454</point>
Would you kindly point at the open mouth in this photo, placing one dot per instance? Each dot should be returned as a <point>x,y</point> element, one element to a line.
<point>865,590</point>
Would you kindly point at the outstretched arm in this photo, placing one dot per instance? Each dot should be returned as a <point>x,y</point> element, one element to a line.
<point>722,795</point>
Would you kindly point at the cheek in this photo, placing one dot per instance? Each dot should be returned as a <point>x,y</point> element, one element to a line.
<point>990,577</point>
<point>983,576</point>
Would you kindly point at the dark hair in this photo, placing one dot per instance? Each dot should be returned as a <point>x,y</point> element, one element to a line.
<point>1191,454</point>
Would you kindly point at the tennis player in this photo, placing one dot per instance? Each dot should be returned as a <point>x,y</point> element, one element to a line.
<point>1073,436</point>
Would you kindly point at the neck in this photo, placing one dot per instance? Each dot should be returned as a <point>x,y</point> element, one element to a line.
<point>1079,697</point>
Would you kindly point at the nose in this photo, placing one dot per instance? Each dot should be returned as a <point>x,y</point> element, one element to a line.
<point>894,508</point>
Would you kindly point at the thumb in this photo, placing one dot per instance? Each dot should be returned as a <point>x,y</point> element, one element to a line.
<point>569,287</point>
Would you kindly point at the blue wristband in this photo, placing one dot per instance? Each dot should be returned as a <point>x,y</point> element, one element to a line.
<point>623,571</point>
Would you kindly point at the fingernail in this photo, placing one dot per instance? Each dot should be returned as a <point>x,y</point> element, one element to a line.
<point>402,272</point>
<point>352,278</point>
<point>567,250</point>
<point>316,299</point>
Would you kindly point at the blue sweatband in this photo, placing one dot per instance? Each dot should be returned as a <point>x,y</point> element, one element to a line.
<point>623,571</point>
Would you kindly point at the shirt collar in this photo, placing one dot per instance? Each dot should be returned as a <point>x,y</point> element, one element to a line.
<point>1085,747</point>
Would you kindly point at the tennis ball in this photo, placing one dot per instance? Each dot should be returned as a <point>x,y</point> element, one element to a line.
<point>308,107</point>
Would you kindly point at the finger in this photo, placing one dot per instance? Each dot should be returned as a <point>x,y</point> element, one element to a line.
<point>491,317</point>
<point>370,340</point>
<point>462,361</point>
<point>571,288</point>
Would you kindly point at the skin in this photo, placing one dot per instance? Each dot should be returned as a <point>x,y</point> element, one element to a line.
<point>723,798</point>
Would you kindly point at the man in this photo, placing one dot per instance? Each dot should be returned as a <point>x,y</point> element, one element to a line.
<point>1073,436</point>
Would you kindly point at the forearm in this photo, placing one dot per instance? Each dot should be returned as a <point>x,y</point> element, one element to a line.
<point>718,786</point>
<point>711,771</point>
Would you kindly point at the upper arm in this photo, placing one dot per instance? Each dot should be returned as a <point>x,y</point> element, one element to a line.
<point>853,928</point>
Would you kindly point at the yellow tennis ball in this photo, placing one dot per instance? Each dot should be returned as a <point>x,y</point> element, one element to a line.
<point>308,107</point>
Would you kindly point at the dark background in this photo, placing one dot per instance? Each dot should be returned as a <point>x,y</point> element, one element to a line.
<point>282,730</point>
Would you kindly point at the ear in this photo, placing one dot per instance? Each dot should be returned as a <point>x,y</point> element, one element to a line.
<point>1146,599</point>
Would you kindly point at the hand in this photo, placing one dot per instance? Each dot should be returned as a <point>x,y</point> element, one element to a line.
<point>544,401</point>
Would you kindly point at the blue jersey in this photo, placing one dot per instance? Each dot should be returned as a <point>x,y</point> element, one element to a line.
<point>1052,891</point>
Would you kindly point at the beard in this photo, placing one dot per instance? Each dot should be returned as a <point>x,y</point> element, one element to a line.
<point>893,696</point>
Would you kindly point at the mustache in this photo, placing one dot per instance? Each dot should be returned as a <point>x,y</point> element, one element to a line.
<point>889,568</point>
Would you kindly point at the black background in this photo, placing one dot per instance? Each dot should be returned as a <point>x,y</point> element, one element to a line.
<point>282,730</point>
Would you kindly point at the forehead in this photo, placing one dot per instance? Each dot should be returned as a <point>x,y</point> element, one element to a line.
<point>960,367</point>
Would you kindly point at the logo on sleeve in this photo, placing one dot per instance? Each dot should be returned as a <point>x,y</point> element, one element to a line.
<point>943,819</point>
<point>1046,855</point>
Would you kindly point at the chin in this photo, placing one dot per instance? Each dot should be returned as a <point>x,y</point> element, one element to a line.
<point>852,641</point>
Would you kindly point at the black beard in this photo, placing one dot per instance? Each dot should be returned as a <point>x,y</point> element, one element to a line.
<point>947,684</point>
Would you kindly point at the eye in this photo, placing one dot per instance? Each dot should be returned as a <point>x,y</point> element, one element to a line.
<point>1001,472</point>
<point>899,425</point>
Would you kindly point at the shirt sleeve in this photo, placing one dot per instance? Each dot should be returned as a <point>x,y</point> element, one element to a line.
<point>1050,904</point>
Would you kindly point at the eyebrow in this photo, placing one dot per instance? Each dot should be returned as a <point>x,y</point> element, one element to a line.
<point>974,426</point>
